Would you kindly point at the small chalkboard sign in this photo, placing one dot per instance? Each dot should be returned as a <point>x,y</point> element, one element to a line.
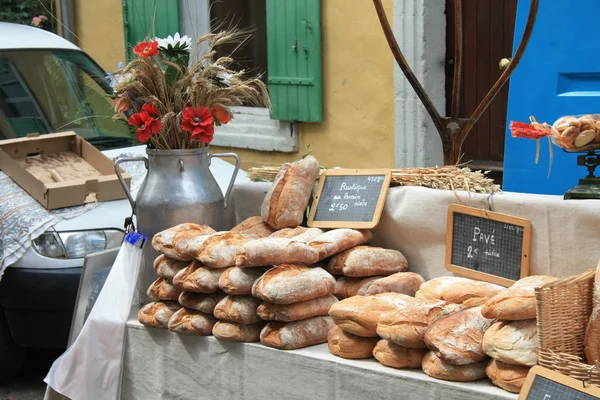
<point>486,245</point>
<point>545,384</point>
<point>350,198</point>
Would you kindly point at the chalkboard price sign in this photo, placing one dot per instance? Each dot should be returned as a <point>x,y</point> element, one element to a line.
<point>350,198</point>
<point>486,245</point>
<point>545,384</point>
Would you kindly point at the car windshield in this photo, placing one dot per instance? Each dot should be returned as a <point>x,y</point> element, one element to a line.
<point>53,90</point>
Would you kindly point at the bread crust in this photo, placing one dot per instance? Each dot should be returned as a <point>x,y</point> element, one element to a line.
<point>253,227</point>
<point>274,251</point>
<point>191,322</point>
<point>513,342</point>
<point>289,283</point>
<point>392,355</point>
<point>234,332</point>
<point>346,286</point>
<point>167,268</point>
<point>337,240</point>
<point>238,308</point>
<point>508,377</point>
<point>162,289</point>
<point>157,313</point>
<point>347,345</point>
<point>458,290</point>
<point>237,280</point>
<point>296,335</point>
<point>402,282</point>
<point>203,302</point>
<point>197,278</point>
<point>439,369</point>
<point>296,311</point>
<point>163,241</point>
<point>361,261</point>
<point>219,250</point>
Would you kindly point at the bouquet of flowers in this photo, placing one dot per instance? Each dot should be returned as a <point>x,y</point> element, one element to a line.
<point>175,104</point>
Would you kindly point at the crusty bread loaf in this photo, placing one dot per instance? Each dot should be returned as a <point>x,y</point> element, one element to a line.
<point>392,355</point>
<point>458,290</point>
<point>288,283</point>
<point>238,308</point>
<point>439,369</point>
<point>162,289</point>
<point>193,247</point>
<point>347,345</point>
<point>197,278</point>
<point>203,302</point>
<point>191,322</point>
<point>182,239</point>
<point>288,197</point>
<point>517,302</point>
<point>359,314</point>
<point>296,311</point>
<point>299,234</point>
<point>237,280</point>
<point>220,249</point>
<point>163,241</point>
<point>402,282</point>
<point>167,268</point>
<point>158,313</point>
<point>509,377</point>
<point>253,227</point>
<point>407,325</point>
<point>592,332</point>
<point>363,261</point>
<point>513,342</point>
<point>274,251</point>
<point>297,334</point>
<point>338,240</point>
<point>346,286</point>
<point>234,332</point>
<point>457,338</point>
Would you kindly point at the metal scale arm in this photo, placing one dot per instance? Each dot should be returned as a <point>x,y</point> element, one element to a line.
<point>454,130</point>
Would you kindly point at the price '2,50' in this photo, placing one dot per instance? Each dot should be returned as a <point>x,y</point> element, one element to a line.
<point>338,207</point>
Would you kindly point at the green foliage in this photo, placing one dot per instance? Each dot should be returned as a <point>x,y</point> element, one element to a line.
<point>22,12</point>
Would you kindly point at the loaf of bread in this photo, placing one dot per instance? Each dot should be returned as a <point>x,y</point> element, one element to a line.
<point>196,278</point>
<point>162,289</point>
<point>513,342</point>
<point>220,249</point>
<point>347,345</point>
<point>406,326</point>
<point>299,234</point>
<point>203,302</point>
<point>275,251</point>
<point>402,282</point>
<point>237,280</point>
<point>457,338</point>
<point>297,334</point>
<point>238,308</point>
<point>294,312</point>
<point>338,240</point>
<point>509,377</point>
<point>517,302</point>
<point>163,241</point>
<point>288,197</point>
<point>182,239</point>
<point>395,356</point>
<point>363,261</point>
<point>158,313</point>
<point>167,267</point>
<point>288,283</point>
<point>346,286</point>
<point>592,332</point>
<point>193,247</point>
<point>233,332</point>
<point>439,369</point>
<point>253,227</point>
<point>359,315</point>
<point>457,290</point>
<point>191,322</point>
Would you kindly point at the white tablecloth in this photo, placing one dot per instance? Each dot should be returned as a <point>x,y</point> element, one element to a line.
<point>160,364</point>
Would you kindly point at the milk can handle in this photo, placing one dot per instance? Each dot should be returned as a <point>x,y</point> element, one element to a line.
<point>235,171</point>
<point>123,183</point>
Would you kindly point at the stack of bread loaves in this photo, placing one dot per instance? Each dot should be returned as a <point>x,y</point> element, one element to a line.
<point>512,340</point>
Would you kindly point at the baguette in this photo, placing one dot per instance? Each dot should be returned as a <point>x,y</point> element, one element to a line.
<point>361,261</point>
<point>288,283</point>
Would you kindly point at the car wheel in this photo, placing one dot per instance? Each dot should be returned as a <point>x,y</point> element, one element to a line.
<point>11,354</point>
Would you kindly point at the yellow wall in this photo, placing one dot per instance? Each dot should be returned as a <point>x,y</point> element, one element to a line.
<point>358,87</point>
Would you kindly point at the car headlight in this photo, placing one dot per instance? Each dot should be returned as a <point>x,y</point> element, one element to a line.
<point>77,244</point>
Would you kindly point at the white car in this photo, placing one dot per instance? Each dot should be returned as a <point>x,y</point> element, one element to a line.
<point>47,84</point>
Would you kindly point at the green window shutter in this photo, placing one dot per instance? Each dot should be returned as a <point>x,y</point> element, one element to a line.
<point>294,59</point>
<point>143,19</point>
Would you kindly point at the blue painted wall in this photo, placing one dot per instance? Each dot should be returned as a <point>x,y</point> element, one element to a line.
<point>558,75</point>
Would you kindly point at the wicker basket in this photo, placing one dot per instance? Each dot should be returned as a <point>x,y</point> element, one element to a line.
<point>563,310</point>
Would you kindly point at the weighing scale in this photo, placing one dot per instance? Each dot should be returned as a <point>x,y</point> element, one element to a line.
<point>588,187</point>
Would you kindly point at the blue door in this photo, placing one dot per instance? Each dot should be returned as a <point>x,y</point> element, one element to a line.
<point>558,75</point>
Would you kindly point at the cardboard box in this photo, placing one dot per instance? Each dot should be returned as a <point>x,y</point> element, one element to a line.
<point>61,170</point>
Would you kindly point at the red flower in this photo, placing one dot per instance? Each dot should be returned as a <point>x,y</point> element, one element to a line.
<point>146,126</point>
<point>150,109</point>
<point>199,122</point>
<point>121,103</point>
<point>146,49</point>
<point>221,115</point>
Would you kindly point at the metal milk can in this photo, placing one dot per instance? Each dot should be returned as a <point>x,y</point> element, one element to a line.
<point>178,188</point>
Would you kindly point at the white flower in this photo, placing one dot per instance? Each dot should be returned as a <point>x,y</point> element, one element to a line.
<point>121,80</point>
<point>225,77</point>
<point>174,41</point>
